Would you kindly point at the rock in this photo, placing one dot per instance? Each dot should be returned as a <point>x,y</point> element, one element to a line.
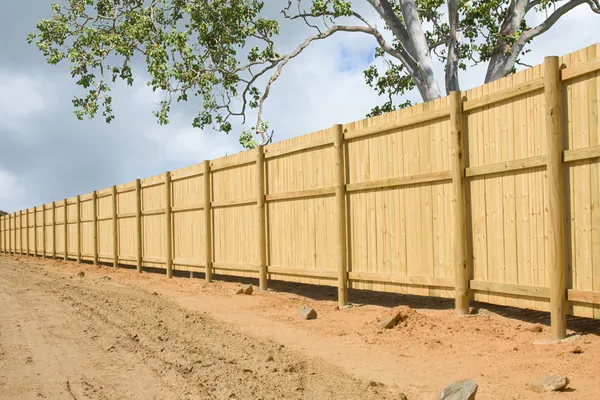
<point>307,313</point>
<point>401,396</point>
<point>552,383</point>
<point>375,384</point>
<point>81,274</point>
<point>269,358</point>
<point>248,289</point>
<point>389,323</point>
<point>535,328</point>
<point>336,308</point>
<point>575,350</point>
<point>461,390</point>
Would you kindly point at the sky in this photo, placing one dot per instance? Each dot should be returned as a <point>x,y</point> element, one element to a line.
<point>46,154</point>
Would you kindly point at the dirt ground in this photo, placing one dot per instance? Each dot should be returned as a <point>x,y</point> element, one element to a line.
<point>117,334</point>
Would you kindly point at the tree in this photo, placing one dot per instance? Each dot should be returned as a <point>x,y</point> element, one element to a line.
<point>225,51</point>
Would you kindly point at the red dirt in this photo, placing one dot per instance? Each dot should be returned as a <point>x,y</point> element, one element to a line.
<point>430,348</point>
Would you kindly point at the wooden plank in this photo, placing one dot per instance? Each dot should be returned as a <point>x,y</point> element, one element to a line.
<point>208,232</point>
<point>261,227</point>
<point>149,185</point>
<point>187,208</point>
<point>35,235</point>
<point>507,288</point>
<point>424,117</point>
<point>155,260</point>
<point>297,148</point>
<point>583,296</point>
<point>496,97</point>
<point>188,263</point>
<point>580,69</point>
<point>126,215</point>
<point>506,166</point>
<point>43,231</point>
<point>95,226</point>
<point>104,219</point>
<point>400,181</point>
<point>115,227</point>
<point>156,211</point>
<point>402,279</point>
<point>235,267</point>
<point>232,203</point>
<point>274,270</point>
<point>301,194</point>
<point>138,225</point>
<point>79,229</point>
<point>216,166</point>
<point>188,176</point>
<point>584,153</point>
<point>168,225</point>
<point>555,228</point>
<point>26,231</point>
<point>65,230</point>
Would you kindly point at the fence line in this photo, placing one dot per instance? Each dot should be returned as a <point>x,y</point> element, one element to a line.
<point>490,194</point>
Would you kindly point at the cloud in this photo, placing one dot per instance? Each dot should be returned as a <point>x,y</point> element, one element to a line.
<point>11,189</point>
<point>23,96</point>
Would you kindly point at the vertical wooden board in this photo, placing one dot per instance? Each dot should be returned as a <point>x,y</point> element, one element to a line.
<point>153,239</point>
<point>593,83</point>
<point>427,251</point>
<point>127,240</point>
<point>414,217</point>
<point>234,227</point>
<point>187,192</point>
<point>509,193</point>
<point>39,228</point>
<point>523,256</point>
<point>58,233</point>
<point>479,194</point>
<point>581,195</point>
<point>188,236</point>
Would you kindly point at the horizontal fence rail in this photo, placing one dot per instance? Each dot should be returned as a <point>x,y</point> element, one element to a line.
<point>491,194</point>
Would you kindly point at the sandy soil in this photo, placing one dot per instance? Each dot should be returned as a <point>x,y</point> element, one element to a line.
<point>118,334</point>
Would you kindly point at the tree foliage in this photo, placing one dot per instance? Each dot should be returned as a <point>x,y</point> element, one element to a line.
<point>225,51</point>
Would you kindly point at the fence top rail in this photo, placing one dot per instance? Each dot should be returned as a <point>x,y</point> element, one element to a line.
<point>506,94</point>
<point>580,69</point>
<point>427,116</point>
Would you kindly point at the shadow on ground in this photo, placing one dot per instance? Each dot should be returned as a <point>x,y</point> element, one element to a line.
<point>316,292</point>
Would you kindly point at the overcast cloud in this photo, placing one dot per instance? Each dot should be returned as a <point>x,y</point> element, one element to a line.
<point>46,154</point>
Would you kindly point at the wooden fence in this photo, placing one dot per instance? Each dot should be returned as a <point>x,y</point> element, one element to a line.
<point>491,194</point>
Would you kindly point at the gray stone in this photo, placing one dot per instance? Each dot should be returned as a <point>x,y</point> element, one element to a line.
<point>552,383</point>
<point>248,289</point>
<point>461,390</point>
<point>307,313</point>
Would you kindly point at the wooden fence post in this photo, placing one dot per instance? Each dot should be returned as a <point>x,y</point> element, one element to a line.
<point>459,211</point>
<point>115,222</point>
<point>340,206</point>
<point>207,222</point>
<point>168,229</point>
<point>27,231</point>
<point>138,223</point>
<point>95,226</point>
<point>53,229</point>
<point>35,235</point>
<point>15,233</point>
<point>78,229</point>
<point>2,232</point>
<point>260,218</point>
<point>555,202</point>
<point>44,231</point>
<point>22,246</point>
<point>66,229</point>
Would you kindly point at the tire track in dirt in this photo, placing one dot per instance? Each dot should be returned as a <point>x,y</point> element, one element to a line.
<point>97,339</point>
